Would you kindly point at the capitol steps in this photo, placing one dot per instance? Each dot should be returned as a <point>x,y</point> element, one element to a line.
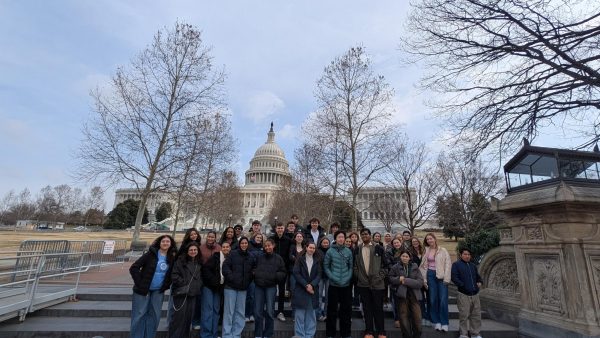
<point>104,312</point>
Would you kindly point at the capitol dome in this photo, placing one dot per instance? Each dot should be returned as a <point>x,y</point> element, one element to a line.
<point>268,166</point>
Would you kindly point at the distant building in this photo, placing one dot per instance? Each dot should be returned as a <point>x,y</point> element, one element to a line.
<point>380,206</point>
<point>154,200</point>
<point>268,171</point>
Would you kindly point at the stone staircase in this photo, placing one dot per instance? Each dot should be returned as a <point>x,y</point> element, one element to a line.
<point>105,312</point>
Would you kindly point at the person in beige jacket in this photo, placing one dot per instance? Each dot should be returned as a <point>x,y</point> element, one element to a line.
<point>436,268</point>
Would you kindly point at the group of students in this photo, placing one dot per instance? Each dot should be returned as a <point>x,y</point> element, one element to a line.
<point>239,279</point>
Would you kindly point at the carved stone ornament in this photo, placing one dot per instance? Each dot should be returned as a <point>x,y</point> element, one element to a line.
<point>548,284</point>
<point>506,234</point>
<point>531,219</point>
<point>534,234</point>
<point>503,276</point>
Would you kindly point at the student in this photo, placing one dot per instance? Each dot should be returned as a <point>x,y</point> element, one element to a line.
<point>333,228</point>
<point>436,270</point>
<point>307,275</point>
<point>467,280</point>
<point>377,238</point>
<point>212,292</point>
<point>393,256</point>
<point>282,248</point>
<point>337,265</point>
<point>151,274</point>
<point>187,284</point>
<point>416,254</point>
<point>324,245</point>
<point>191,235</point>
<point>228,236</point>
<point>270,271</point>
<point>314,232</point>
<point>237,270</point>
<point>407,281</point>
<point>296,249</point>
<point>370,271</point>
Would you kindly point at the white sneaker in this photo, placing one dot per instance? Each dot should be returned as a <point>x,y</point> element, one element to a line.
<point>247,319</point>
<point>196,327</point>
<point>251,319</point>
<point>463,336</point>
<point>445,328</point>
<point>438,326</point>
<point>281,317</point>
<point>478,336</point>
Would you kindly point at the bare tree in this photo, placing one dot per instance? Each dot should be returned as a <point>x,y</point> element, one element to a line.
<point>503,70</point>
<point>353,117</point>
<point>94,203</point>
<point>216,154</point>
<point>6,203</point>
<point>135,133</point>
<point>466,182</point>
<point>412,172</point>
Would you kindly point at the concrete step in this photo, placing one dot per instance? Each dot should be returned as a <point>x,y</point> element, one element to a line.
<point>111,308</point>
<point>117,327</point>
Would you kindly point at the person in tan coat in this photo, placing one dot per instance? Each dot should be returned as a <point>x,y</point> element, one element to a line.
<point>436,270</point>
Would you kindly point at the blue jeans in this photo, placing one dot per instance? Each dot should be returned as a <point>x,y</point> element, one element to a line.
<point>263,325</point>
<point>145,314</point>
<point>306,323</point>
<point>438,299</point>
<point>250,300</point>
<point>234,304</point>
<point>211,305</point>
<point>323,293</point>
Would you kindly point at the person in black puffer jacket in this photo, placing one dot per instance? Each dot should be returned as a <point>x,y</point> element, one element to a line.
<point>187,284</point>
<point>238,271</point>
<point>270,271</point>
<point>151,274</point>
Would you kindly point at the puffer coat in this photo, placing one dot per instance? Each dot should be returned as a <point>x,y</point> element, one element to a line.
<point>338,265</point>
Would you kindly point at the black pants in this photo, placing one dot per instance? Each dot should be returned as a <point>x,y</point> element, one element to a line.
<point>179,326</point>
<point>339,304</point>
<point>372,301</point>
<point>280,296</point>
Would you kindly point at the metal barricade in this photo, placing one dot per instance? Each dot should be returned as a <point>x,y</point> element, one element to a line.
<point>20,288</point>
<point>96,249</point>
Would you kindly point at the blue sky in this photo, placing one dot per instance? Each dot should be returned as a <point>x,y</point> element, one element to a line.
<point>54,52</point>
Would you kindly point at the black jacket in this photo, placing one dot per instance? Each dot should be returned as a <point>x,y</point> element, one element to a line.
<point>211,272</point>
<point>188,272</point>
<point>238,268</point>
<point>465,277</point>
<point>282,247</point>
<point>270,270</point>
<point>308,236</point>
<point>142,271</point>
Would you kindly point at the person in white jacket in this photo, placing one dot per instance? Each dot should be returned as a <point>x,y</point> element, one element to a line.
<point>436,268</point>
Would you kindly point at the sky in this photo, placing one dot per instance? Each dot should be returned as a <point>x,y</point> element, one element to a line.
<point>54,52</point>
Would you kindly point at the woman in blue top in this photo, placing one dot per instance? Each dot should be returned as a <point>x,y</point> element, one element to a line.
<point>151,276</point>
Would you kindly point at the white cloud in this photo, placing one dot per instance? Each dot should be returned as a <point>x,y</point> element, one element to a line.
<point>262,105</point>
<point>288,131</point>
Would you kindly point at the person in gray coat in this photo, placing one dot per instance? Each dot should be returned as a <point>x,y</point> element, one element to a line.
<point>406,281</point>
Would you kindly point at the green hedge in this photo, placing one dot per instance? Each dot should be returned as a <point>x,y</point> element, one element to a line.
<point>479,242</point>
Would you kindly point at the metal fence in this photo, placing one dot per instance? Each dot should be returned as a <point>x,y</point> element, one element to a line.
<point>20,289</point>
<point>102,252</point>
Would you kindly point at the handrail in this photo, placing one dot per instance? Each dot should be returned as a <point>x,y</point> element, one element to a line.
<point>18,300</point>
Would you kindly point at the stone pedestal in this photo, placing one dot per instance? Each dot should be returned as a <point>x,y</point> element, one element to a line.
<point>545,276</point>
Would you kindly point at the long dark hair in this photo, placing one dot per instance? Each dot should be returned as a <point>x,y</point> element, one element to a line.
<point>224,236</point>
<point>187,240</point>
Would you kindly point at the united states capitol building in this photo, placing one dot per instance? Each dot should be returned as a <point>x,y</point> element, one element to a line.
<point>268,171</point>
